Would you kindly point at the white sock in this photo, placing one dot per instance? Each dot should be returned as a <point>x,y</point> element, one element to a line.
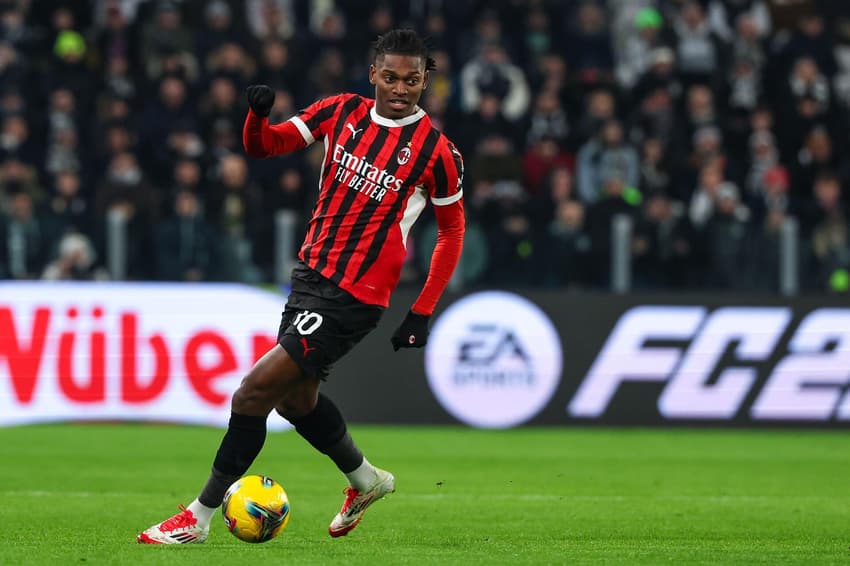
<point>202,513</point>
<point>363,477</point>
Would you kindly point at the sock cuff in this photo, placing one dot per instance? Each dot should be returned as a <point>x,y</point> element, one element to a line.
<point>247,422</point>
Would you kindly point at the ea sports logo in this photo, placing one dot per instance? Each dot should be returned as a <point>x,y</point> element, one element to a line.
<point>493,360</point>
<point>403,155</point>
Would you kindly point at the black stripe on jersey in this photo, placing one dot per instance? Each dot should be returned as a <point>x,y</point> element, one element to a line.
<point>323,204</point>
<point>375,146</point>
<point>369,207</point>
<point>325,113</point>
<point>383,231</point>
<point>347,108</point>
<point>441,189</point>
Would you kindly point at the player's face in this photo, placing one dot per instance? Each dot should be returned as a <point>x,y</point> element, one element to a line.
<point>399,81</point>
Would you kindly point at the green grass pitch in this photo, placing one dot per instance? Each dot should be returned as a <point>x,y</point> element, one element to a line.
<point>78,494</point>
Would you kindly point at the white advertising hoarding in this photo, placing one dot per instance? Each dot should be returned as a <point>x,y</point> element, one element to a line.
<point>130,351</point>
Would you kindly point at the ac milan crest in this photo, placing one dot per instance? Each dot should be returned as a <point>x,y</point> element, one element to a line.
<point>403,155</point>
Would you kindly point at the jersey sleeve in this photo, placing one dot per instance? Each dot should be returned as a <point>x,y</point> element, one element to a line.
<point>447,175</point>
<point>314,122</point>
<point>262,139</point>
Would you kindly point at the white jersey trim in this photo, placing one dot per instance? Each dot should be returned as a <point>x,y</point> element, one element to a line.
<point>389,123</point>
<point>445,201</point>
<point>413,208</point>
<point>302,127</point>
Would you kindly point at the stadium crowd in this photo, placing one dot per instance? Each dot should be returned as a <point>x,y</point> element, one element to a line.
<point>709,122</point>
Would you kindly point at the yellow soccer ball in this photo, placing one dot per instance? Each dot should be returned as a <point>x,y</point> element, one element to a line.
<point>255,508</point>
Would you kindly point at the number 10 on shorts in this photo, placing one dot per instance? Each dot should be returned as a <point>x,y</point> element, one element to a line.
<point>307,322</point>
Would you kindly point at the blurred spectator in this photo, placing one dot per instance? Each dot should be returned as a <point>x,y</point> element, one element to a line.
<point>708,193</point>
<point>551,75</point>
<point>232,61</point>
<point>25,238</point>
<point>114,138</point>
<point>68,206</point>
<point>125,180</point>
<point>699,51</point>
<point>68,67</point>
<point>16,139</point>
<point>160,116</point>
<point>660,74</point>
<point>544,155</point>
<point>599,107</point>
<point>271,18</point>
<point>612,201</point>
<point>816,156</point>
<point>495,159</point>
<point>165,37</point>
<point>187,176</point>
<point>17,176</point>
<point>763,157</point>
<point>726,16</point>
<point>492,72</point>
<point>635,46</point>
<point>218,26</point>
<point>808,40</point>
<point>278,67</point>
<point>725,240</point>
<point>830,241</point>
<point>662,244</point>
<point>235,210</point>
<point>588,44</point>
<point>220,104</point>
<point>605,158</point>
<point>548,119</point>
<point>558,223</point>
<point>654,118</point>
<point>184,242</point>
<point>75,261</point>
<point>537,38</point>
<point>328,76</point>
<point>503,210</point>
<point>128,205</point>
<point>486,122</point>
<point>655,168</point>
<point>113,38</point>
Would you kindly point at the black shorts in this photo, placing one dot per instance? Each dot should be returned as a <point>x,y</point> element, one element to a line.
<point>321,322</point>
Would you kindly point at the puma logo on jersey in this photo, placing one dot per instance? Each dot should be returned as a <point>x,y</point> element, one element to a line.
<point>353,131</point>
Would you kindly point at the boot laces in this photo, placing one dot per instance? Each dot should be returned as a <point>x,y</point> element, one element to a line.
<point>179,521</point>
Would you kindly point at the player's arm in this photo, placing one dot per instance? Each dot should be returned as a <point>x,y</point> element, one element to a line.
<point>448,209</point>
<point>262,139</point>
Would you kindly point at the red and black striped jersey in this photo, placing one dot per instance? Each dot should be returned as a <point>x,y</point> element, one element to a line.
<point>377,176</point>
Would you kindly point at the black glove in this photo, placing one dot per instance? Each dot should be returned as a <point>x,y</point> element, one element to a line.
<point>261,99</point>
<point>412,332</point>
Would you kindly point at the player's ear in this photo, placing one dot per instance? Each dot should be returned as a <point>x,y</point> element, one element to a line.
<point>425,80</point>
<point>372,73</point>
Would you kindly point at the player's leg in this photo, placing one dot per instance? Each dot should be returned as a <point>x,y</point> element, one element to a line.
<point>271,379</point>
<point>323,426</point>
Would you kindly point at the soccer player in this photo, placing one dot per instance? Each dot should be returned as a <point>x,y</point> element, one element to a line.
<point>383,162</point>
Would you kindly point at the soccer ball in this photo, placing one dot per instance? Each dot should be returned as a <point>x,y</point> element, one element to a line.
<point>255,508</point>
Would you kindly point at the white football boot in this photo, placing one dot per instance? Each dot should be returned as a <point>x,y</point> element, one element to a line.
<point>182,528</point>
<point>356,503</point>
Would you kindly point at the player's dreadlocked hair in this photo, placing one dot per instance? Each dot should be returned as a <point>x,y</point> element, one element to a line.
<point>403,42</point>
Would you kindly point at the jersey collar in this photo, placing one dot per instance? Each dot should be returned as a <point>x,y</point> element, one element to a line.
<point>390,123</point>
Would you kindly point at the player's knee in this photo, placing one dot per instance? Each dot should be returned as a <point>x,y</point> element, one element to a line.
<point>255,396</point>
<point>298,405</point>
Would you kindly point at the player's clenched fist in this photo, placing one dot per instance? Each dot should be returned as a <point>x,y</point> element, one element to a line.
<point>261,99</point>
